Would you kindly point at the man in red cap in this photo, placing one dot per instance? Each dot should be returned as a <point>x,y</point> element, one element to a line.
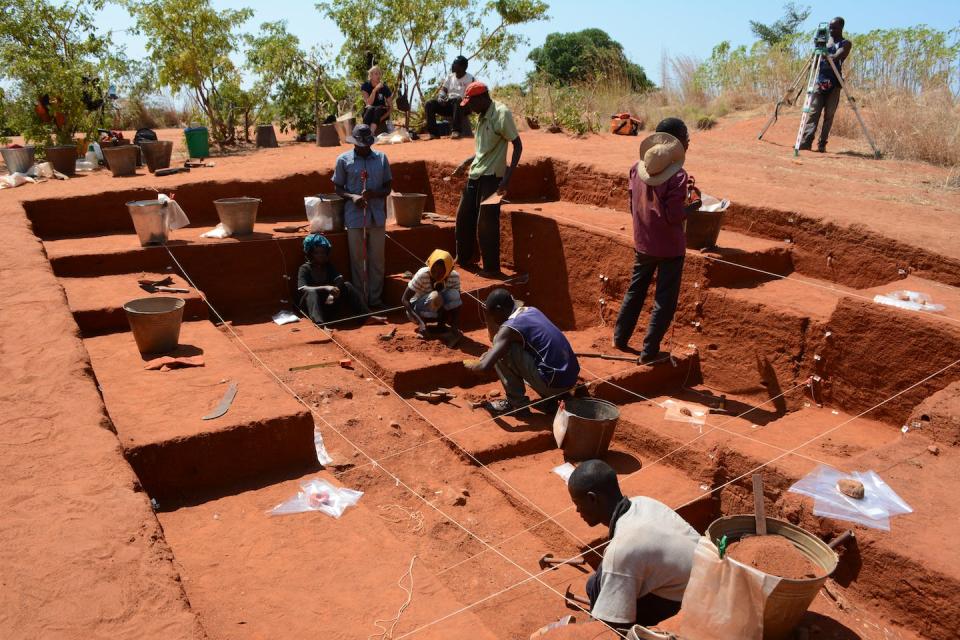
<point>488,174</point>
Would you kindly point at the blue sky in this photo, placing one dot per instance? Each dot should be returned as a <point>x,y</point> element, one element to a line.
<point>647,30</point>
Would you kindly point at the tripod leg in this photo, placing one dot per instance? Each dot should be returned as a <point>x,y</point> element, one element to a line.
<point>856,111</point>
<point>811,83</point>
<point>794,86</point>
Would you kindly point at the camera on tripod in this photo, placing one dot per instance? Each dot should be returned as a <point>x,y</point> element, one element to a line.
<point>821,36</point>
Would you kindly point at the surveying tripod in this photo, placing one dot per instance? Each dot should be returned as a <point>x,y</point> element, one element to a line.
<point>811,70</point>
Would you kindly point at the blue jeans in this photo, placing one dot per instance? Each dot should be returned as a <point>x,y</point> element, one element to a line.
<point>450,300</point>
<point>669,272</point>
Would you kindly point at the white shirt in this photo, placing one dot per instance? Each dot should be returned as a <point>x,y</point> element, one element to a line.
<point>456,87</point>
<point>651,552</point>
<point>421,283</point>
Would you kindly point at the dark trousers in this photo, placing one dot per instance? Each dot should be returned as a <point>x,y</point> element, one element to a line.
<point>474,221</point>
<point>448,108</point>
<point>669,272</point>
<point>825,103</point>
<point>375,115</point>
<point>313,303</point>
<point>651,609</point>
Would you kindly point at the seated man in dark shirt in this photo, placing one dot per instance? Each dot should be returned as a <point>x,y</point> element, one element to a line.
<point>323,292</point>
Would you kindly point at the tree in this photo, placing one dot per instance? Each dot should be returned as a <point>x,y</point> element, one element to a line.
<point>780,31</point>
<point>189,43</point>
<point>428,32</point>
<point>586,55</point>
<point>294,78</point>
<point>58,65</point>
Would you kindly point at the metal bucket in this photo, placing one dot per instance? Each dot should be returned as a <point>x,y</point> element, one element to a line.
<point>122,160</point>
<point>344,126</point>
<point>63,158</point>
<point>238,215</point>
<point>155,323</point>
<point>584,427</point>
<point>157,154</point>
<point>790,600</point>
<point>703,228</point>
<point>408,208</point>
<point>18,160</point>
<point>330,214</point>
<point>150,221</point>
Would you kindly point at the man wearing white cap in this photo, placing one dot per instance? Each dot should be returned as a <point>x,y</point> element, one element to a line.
<point>658,191</point>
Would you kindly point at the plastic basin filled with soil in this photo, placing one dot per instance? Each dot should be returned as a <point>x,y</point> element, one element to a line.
<point>800,559</point>
<point>155,323</point>
<point>238,215</point>
<point>408,208</point>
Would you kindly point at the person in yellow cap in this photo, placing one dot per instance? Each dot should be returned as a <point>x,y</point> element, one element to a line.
<point>433,295</point>
<point>658,193</point>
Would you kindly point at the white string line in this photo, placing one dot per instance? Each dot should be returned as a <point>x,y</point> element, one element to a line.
<point>393,476</point>
<point>443,433</point>
<point>811,283</point>
<point>488,420</point>
<point>707,493</point>
<point>653,463</point>
<point>386,632</point>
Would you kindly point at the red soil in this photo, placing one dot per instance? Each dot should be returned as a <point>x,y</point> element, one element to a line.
<point>774,555</point>
<point>88,558</point>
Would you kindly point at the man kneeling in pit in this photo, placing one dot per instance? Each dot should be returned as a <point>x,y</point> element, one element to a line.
<point>433,296</point>
<point>646,564</point>
<point>527,349</point>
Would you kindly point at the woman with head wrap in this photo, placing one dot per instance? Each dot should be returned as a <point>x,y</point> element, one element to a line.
<point>433,295</point>
<point>323,291</point>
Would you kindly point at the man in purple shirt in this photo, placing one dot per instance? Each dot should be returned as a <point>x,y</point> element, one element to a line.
<point>658,192</point>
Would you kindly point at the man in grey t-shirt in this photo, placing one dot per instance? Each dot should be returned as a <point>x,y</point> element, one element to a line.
<point>646,564</point>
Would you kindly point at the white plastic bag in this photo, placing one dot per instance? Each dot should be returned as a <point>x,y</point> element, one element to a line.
<point>685,412</point>
<point>910,300</point>
<point>318,495</point>
<point>14,180</point>
<point>218,232</point>
<point>285,317</point>
<point>176,217</point>
<point>874,510</point>
<point>711,204</point>
<point>322,456</point>
<point>724,599</point>
<point>564,470</point>
<point>318,223</point>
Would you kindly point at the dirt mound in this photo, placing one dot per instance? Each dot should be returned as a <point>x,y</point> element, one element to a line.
<point>774,555</point>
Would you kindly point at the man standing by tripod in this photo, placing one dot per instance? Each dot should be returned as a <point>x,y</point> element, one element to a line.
<point>826,98</point>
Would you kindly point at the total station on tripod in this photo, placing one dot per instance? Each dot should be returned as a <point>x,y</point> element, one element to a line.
<point>821,36</point>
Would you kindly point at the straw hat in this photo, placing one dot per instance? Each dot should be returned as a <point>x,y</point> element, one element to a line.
<point>661,156</point>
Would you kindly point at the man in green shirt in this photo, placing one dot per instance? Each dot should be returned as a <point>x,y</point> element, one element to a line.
<point>488,174</point>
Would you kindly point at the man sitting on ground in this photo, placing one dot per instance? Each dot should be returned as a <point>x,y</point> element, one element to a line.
<point>323,291</point>
<point>447,102</point>
<point>433,295</point>
<point>527,349</point>
<point>658,193</point>
<point>647,563</point>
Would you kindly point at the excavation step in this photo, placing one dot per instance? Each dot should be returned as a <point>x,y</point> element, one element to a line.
<point>158,415</point>
<point>248,574</point>
<point>474,290</point>
<point>97,303</point>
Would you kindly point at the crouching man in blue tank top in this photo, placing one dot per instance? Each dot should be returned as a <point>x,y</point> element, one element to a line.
<point>527,349</point>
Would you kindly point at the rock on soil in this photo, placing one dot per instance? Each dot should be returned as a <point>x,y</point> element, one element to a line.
<point>774,555</point>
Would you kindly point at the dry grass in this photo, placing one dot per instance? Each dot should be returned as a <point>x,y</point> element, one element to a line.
<point>909,126</point>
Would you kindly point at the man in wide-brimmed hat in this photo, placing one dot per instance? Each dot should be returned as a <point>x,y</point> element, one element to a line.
<point>658,192</point>
<point>362,177</point>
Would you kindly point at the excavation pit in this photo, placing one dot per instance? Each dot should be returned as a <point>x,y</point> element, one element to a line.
<point>758,318</point>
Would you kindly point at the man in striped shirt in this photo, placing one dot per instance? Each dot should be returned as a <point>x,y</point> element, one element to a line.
<point>433,295</point>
